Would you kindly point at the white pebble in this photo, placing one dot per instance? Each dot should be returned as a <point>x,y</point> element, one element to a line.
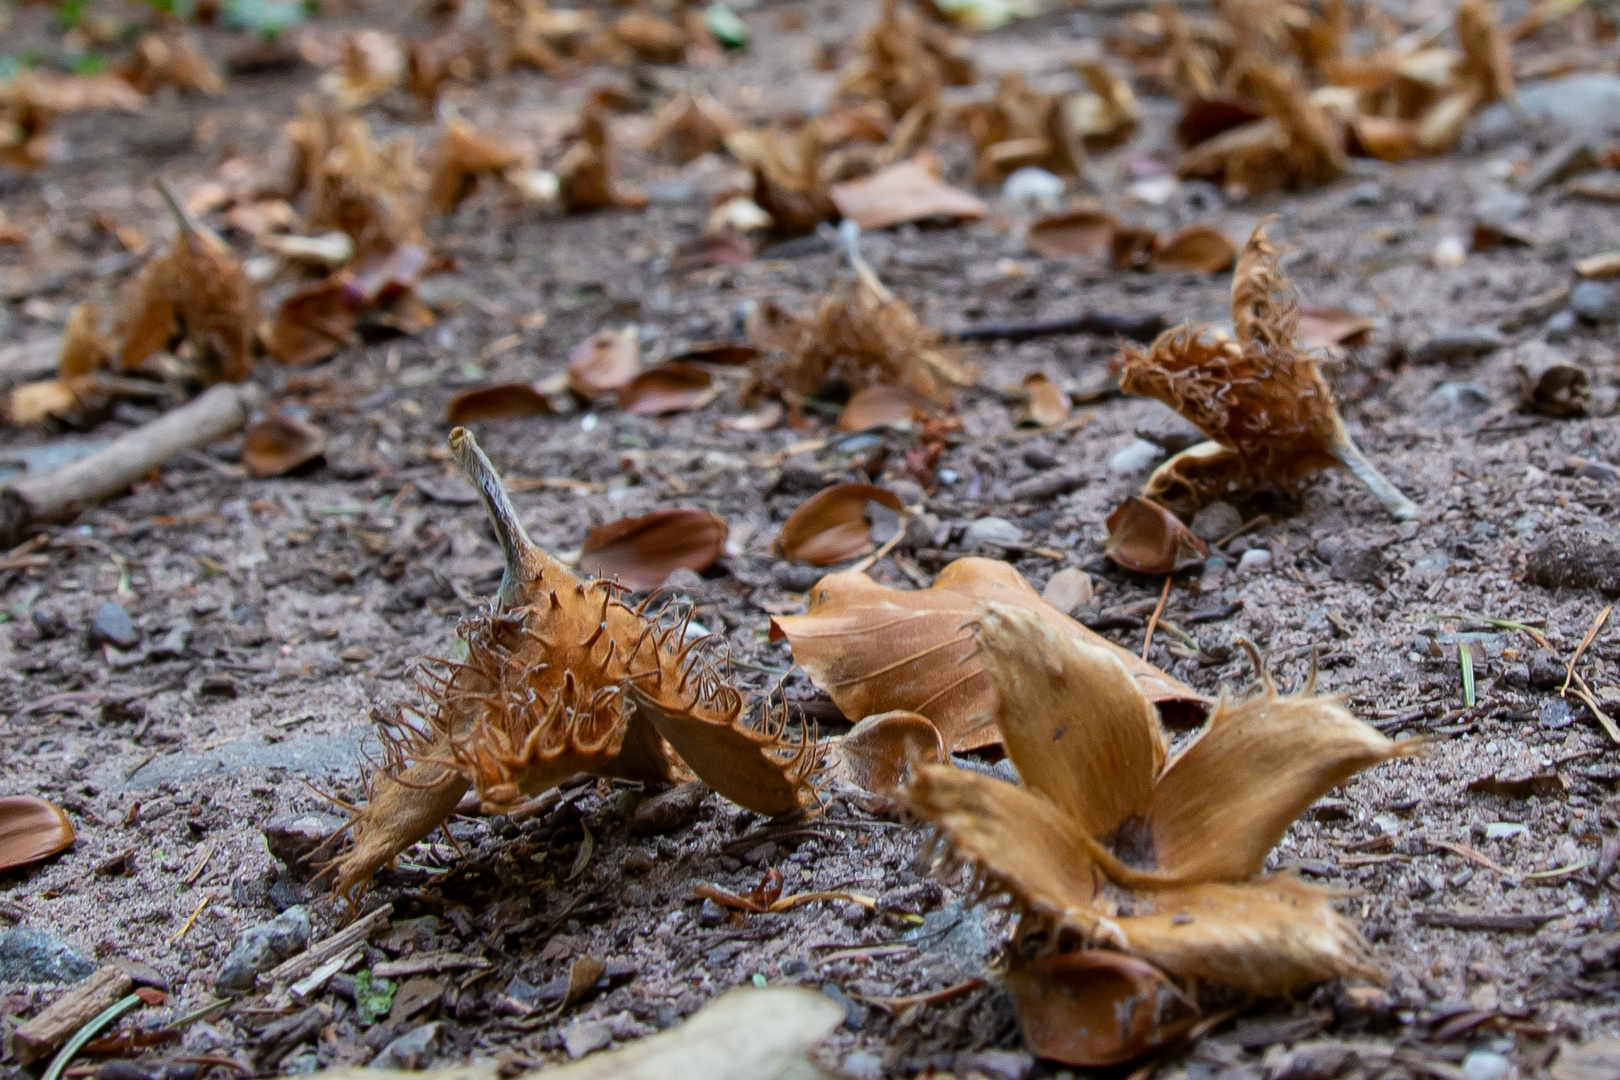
<point>1033,187</point>
<point>1254,560</point>
<point>1486,1065</point>
<point>1135,457</point>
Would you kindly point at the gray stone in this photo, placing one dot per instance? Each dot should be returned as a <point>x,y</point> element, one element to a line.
<point>992,531</point>
<point>1169,430</point>
<point>1587,103</point>
<point>1501,207</point>
<point>583,1036</point>
<point>1601,471</point>
<point>1569,158</point>
<point>855,1013</point>
<point>1047,485</point>
<point>1449,346</point>
<point>1455,402</point>
<point>711,914</point>
<point>796,578</point>
<point>1217,520</point>
<point>262,947</point>
<point>411,1050</point>
<point>1357,563</point>
<point>1560,326</point>
<point>1596,301</point>
<point>995,1064</point>
<point>1367,193</point>
<point>1487,1065</point>
<point>862,1065</point>
<point>1577,558</point>
<point>33,956</point>
<point>1134,458</point>
<point>293,838</point>
<point>113,626</point>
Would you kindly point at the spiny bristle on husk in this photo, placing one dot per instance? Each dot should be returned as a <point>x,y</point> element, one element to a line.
<point>562,676</point>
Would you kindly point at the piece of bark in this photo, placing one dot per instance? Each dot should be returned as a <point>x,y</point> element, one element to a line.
<point>72,489</point>
<point>68,1013</point>
<point>1469,920</point>
<point>318,953</point>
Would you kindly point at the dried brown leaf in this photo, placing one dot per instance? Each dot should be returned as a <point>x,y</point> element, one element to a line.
<point>1096,1007</point>
<point>1386,139</point>
<point>36,402</point>
<point>831,525</point>
<point>375,194</point>
<point>606,361</point>
<point>372,62</point>
<point>874,649</point>
<point>279,444</point>
<point>1086,234</point>
<point>788,184</point>
<point>669,387</point>
<point>171,60</point>
<point>313,323</point>
<point>31,829</point>
<point>502,401</point>
<point>690,125</point>
<point>909,191</point>
<point>1326,327</point>
<point>85,346</point>
<point>585,172</point>
<point>885,406</point>
<point>652,38</point>
<point>643,551</point>
<point>1197,247</point>
<point>1203,118</point>
<point>464,155</point>
<point>1145,537</point>
<point>1048,405</point>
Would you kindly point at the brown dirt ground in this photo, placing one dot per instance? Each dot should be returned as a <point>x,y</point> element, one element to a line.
<point>302,599</point>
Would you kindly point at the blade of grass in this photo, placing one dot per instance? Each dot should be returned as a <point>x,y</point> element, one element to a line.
<point>90,1030</point>
<point>1591,633</point>
<point>1465,657</point>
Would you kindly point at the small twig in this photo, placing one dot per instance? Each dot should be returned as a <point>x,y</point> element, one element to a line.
<point>180,933</point>
<point>1147,642</point>
<point>901,1004</point>
<point>1591,632</point>
<point>888,546</point>
<point>1584,692</point>
<point>1135,326</point>
<point>201,864</point>
<point>1473,856</point>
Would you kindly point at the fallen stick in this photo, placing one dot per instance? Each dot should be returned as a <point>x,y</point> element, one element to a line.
<point>1136,327</point>
<point>69,1013</point>
<point>72,489</point>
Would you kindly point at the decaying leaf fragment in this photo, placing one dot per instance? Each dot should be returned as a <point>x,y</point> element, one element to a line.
<point>197,288</point>
<point>788,182</point>
<point>874,649</point>
<point>280,444</point>
<point>689,126</point>
<point>585,172</point>
<point>561,677</point>
<point>1111,845</point>
<point>372,62</point>
<point>1298,143</point>
<point>1260,400</point>
<point>173,60</point>
<point>31,100</point>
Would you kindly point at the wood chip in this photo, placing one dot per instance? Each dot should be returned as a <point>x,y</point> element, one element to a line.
<point>68,1013</point>
<point>424,963</point>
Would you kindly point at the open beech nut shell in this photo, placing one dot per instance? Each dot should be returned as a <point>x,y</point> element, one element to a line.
<point>643,551</point>
<point>1198,247</point>
<point>1048,405</point>
<point>831,526</point>
<point>1097,1007</point>
<point>667,388</point>
<point>31,829</point>
<point>280,444</point>
<point>885,406</point>
<point>1145,537</point>
<point>878,754</point>
<point>607,360</point>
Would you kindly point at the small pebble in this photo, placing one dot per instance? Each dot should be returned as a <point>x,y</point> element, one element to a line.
<point>262,947</point>
<point>113,626</point>
<point>1033,187</point>
<point>1216,520</point>
<point>1449,346</point>
<point>994,531</point>
<point>1486,1065</point>
<point>1134,458</point>
<point>711,914</point>
<point>1560,326</point>
<point>796,578</point>
<point>1596,301</point>
<point>583,1036</point>
<point>1254,560</point>
<point>1370,193</point>
<point>863,1065</point>
<point>1600,471</point>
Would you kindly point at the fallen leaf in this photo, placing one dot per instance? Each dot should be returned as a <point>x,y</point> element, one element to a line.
<point>327,251</point>
<point>1096,1007</point>
<point>502,401</point>
<point>874,649</point>
<point>885,406</point>
<point>85,346</point>
<point>1048,405</point>
<point>643,551</point>
<point>1203,118</point>
<point>1264,406</point>
<point>313,323</point>
<point>667,388</point>
<point>764,418</point>
<point>718,352</point>
<point>31,829</point>
<point>585,172</point>
<point>690,125</point>
<point>1197,247</point>
<point>171,60</point>
<point>606,361</point>
<point>1084,234</point>
<point>909,191</point>
<point>36,402</point>
<point>1542,785</point>
<point>1554,388</point>
<point>1386,139</point>
<point>583,974</point>
<point>1183,839</point>
<point>1145,537</point>
<point>831,525</point>
<point>653,39</point>
<point>279,444</point>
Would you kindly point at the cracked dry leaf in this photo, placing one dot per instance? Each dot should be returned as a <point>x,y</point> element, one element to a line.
<point>197,289</point>
<point>910,191</point>
<point>833,524</point>
<point>886,406</point>
<point>1260,400</point>
<point>874,649</point>
<point>877,755</point>
<point>464,155</point>
<point>313,323</point>
<point>643,551</point>
<point>1109,841</point>
<point>562,677</point>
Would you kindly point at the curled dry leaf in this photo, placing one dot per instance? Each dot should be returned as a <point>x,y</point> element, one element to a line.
<point>196,288</point>
<point>643,551</point>
<point>652,38</point>
<point>280,444</point>
<point>585,172</point>
<point>1068,589</point>
<point>909,191</point>
<point>374,193</point>
<point>831,525</point>
<point>503,401</point>
<point>464,155</point>
<point>727,353</point>
<point>1096,1007</point>
<point>885,406</point>
<point>874,649</point>
<point>604,362</point>
<point>1145,537</point>
<point>1048,405</point>
<point>668,388</point>
<point>86,347</point>
<point>1297,144</point>
<point>1263,404</point>
<point>690,125</point>
<point>561,677</point>
<point>879,753</point>
<point>31,829</point>
<point>371,63</point>
<point>1554,389</point>
<point>1198,247</point>
<point>904,62</point>
<point>1182,840</point>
